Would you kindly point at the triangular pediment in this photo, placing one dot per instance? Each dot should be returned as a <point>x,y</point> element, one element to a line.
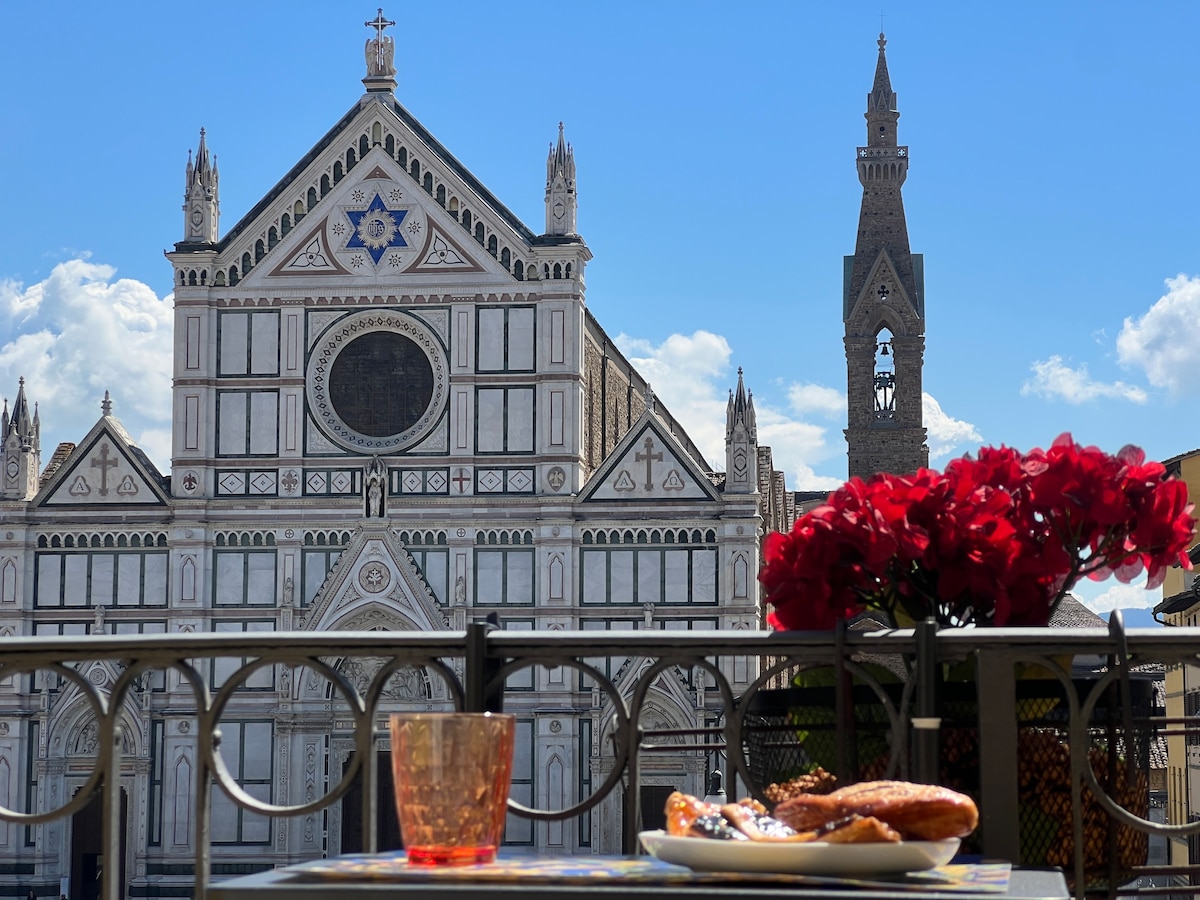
<point>105,469</point>
<point>883,300</point>
<point>379,200</point>
<point>375,580</point>
<point>648,465</point>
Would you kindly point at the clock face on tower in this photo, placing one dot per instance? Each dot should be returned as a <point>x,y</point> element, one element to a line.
<point>377,381</point>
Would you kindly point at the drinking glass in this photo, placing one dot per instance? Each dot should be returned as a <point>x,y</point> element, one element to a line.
<point>452,773</point>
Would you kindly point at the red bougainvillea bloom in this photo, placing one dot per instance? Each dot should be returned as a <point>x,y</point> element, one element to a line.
<point>995,539</point>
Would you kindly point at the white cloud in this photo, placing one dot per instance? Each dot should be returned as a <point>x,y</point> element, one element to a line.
<point>1160,341</point>
<point>816,398</point>
<point>691,375</point>
<point>84,332</point>
<point>948,436</point>
<point>1054,378</point>
<point>1104,597</point>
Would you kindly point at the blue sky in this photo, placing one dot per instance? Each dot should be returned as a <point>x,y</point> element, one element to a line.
<point>1052,191</point>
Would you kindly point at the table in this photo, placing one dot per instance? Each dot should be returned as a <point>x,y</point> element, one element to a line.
<point>646,879</point>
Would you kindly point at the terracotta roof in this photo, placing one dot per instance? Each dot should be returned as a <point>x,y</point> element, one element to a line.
<point>1073,614</point>
<point>61,452</point>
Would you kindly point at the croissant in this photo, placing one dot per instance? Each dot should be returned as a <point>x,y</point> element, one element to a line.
<point>923,812</point>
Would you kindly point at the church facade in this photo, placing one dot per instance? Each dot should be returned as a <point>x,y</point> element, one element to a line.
<point>392,410</point>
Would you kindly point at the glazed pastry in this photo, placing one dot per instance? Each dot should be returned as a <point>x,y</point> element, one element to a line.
<point>923,812</point>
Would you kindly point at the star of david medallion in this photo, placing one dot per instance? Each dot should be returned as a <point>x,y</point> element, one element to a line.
<point>376,229</point>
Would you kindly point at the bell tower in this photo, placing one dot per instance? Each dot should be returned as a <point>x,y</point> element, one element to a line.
<point>883,305</point>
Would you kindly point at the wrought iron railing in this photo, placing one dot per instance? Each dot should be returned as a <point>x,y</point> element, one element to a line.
<point>473,667</point>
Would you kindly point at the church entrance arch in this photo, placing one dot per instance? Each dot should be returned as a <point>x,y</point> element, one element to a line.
<point>87,849</point>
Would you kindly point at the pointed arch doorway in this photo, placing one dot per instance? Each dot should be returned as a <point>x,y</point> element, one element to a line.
<point>87,849</point>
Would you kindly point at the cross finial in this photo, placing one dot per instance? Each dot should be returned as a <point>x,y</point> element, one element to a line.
<point>379,24</point>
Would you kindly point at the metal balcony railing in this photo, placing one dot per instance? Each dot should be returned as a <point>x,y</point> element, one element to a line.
<point>903,677</point>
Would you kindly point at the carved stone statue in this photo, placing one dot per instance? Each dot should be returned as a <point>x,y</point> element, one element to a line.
<point>380,50</point>
<point>376,479</point>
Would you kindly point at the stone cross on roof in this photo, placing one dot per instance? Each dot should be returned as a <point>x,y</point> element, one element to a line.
<point>380,49</point>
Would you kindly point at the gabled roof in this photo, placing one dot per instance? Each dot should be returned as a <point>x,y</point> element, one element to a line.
<point>431,144</point>
<point>648,465</point>
<point>105,469</point>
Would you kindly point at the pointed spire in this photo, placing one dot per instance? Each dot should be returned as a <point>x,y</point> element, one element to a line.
<point>201,202</point>
<point>560,187</point>
<point>20,448</point>
<point>741,441</point>
<point>741,409</point>
<point>883,82</point>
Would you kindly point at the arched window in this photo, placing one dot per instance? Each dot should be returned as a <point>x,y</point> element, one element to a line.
<point>233,275</point>
<point>491,245</point>
<point>557,271</point>
<point>247,265</point>
<point>325,185</point>
<point>285,225</point>
<point>312,198</point>
<point>351,159</point>
<point>454,207</point>
<point>219,281</point>
<point>191,276</point>
<point>568,270</point>
<point>298,210</point>
<point>364,145</point>
<point>338,172</point>
<point>389,145</point>
<point>402,157</point>
<point>441,195</point>
<point>466,219</point>
<point>479,233</point>
<point>519,270</point>
<point>259,250</point>
<point>505,258</point>
<point>415,170</point>
<point>885,375</point>
<point>428,183</point>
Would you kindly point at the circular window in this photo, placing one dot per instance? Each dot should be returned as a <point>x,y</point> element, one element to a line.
<point>377,381</point>
<point>381,384</point>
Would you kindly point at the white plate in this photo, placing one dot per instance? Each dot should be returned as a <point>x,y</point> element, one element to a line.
<point>813,858</point>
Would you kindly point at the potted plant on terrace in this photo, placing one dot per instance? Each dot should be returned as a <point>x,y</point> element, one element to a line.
<point>996,539</point>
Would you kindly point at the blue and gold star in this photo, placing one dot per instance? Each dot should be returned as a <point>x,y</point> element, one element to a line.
<point>376,228</point>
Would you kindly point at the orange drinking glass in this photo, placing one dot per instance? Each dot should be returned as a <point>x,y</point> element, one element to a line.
<point>452,773</point>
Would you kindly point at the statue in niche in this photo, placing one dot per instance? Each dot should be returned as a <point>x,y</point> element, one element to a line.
<point>376,480</point>
<point>460,591</point>
<point>98,621</point>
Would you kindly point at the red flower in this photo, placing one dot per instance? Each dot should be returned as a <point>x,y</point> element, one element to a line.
<point>996,539</point>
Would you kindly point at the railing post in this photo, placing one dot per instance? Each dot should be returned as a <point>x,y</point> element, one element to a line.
<point>478,668</point>
<point>996,683</point>
<point>926,723</point>
<point>110,832</point>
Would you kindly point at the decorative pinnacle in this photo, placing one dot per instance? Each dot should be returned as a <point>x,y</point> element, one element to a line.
<point>106,405</point>
<point>882,41</point>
